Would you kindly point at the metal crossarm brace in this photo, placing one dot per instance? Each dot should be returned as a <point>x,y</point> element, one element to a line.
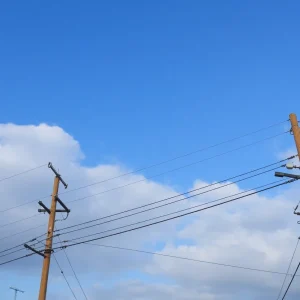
<point>33,250</point>
<point>46,209</point>
<point>62,204</point>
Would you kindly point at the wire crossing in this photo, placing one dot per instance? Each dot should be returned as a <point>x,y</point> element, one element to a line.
<point>291,282</point>
<point>172,218</point>
<point>156,207</point>
<point>189,192</point>
<point>176,157</point>
<point>154,176</point>
<point>291,261</point>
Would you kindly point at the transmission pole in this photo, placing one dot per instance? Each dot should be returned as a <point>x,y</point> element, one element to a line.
<point>296,132</point>
<point>48,245</point>
<point>16,291</point>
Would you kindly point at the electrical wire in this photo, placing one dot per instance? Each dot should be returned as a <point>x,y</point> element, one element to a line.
<point>181,194</point>
<point>63,274</point>
<point>292,258</point>
<point>176,169</point>
<point>175,196</point>
<point>155,218</point>
<point>291,281</point>
<point>156,207</point>
<point>154,223</point>
<point>76,277</point>
<point>157,175</point>
<point>189,259</point>
<point>20,232</point>
<point>21,245</point>
<point>174,158</point>
<point>172,218</point>
<point>165,215</point>
<point>21,173</point>
<point>18,258</point>
<point>20,220</point>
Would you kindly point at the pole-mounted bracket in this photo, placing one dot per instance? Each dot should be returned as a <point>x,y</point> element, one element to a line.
<point>46,209</point>
<point>67,210</point>
<point>50,166</point>
<point>33,250</point>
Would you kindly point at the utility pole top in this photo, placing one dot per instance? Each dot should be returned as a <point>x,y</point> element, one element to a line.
<point>295,131</point>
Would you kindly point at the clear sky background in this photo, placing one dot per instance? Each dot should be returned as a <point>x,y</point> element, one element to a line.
<point>138,82</point>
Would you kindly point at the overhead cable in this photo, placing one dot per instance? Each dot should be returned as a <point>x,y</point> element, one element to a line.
<point>189,259</point>
<point>185,193</point>
<point>172,218</point>
<point>157,175</point>
<point>175,158</point>
<point>291,260</point>
<point>156,207</point>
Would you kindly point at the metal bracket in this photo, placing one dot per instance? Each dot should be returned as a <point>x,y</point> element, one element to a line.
<point>46,209</point>
<point>50,166</point>
<point>33,250</point>
<point>67,210</point>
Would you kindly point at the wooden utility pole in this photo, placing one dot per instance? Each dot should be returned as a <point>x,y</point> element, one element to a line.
<point>46,254</point>
<point>296,132</point>
<point>48,248</point>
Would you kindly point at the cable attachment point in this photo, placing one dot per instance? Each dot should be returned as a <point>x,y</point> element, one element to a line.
<point>50,166</point>
<point>33,250</point>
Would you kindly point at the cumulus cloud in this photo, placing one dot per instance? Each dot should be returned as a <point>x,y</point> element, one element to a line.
<point>258,232</point>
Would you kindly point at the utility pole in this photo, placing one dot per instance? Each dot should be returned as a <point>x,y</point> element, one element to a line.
<point>296,132</point>
<point>16,291</point>
<point>48,245</point>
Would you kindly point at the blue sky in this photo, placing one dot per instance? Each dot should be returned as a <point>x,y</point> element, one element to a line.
<point>123,77</point>
<point>137,82</point>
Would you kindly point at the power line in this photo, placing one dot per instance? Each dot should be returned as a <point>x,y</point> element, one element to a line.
<point>185,193</point>
<point>18,246</point>
<point>292,258</point>
<point>165,215</point>
<point>172,218</point>
<point>68,259</point>
<point>21,173</point>
<point>156,207</point>
<point>20,220</point>
<point>157,175</point>
<point>175,196</point>
<point>291,281</point>
<point>61,271</point>
<point>155,218</point>
<point>175,158</point>
<point>18,258</point>
<point>151,224</point>
<point>20,232</point>
<point>58,230</point>
<point>189,259</point>
<point>176,169</point>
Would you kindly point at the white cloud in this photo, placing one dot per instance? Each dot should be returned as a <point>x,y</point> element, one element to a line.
<point>260,231</point>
